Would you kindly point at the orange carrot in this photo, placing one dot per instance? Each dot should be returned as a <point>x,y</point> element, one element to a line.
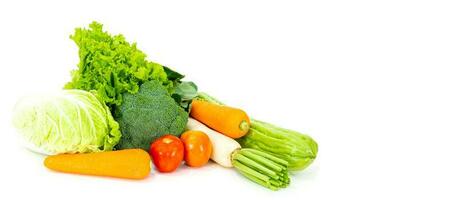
<point>229,121</point>
<point>129,163</point>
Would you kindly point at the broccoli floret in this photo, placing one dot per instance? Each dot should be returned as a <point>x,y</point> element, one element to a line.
<point>148,115</point>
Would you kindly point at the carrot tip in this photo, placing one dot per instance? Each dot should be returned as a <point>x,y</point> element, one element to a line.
<point>244,126</point>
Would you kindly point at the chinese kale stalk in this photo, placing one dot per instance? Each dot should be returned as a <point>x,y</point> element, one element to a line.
<point>262,168</point>
<point>297,149</point>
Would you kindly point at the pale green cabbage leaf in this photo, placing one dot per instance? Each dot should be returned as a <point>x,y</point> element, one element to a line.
<point>68,121</point>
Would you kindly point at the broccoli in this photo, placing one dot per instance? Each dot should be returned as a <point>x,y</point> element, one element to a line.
<point>147,115</point>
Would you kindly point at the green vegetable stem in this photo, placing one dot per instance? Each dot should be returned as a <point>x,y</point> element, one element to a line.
<point>262,168</point>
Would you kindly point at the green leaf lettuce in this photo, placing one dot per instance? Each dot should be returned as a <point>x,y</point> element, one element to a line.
<point>112,66</point>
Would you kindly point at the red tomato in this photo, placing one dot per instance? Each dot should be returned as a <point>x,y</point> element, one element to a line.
<point>198,148</point>
<point>167,152</point>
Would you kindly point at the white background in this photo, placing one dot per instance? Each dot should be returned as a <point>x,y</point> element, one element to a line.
<point>374,82</point>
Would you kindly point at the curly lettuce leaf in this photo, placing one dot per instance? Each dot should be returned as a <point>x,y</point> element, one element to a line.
<point>112,66</point>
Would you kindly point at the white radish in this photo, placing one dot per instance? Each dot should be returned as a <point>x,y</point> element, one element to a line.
<point>223,146</point>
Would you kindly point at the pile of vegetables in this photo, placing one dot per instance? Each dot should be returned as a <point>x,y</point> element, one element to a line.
<point>297,149</point>
<point>121,112</point>
<point>256,165</point>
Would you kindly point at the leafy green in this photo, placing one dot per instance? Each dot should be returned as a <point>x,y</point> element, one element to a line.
<point>70,121</point>
<point>173,75</point>
<point>148,115</point>
<point>112,66</point>
<point>184,94</point>
<point>297,149</point>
